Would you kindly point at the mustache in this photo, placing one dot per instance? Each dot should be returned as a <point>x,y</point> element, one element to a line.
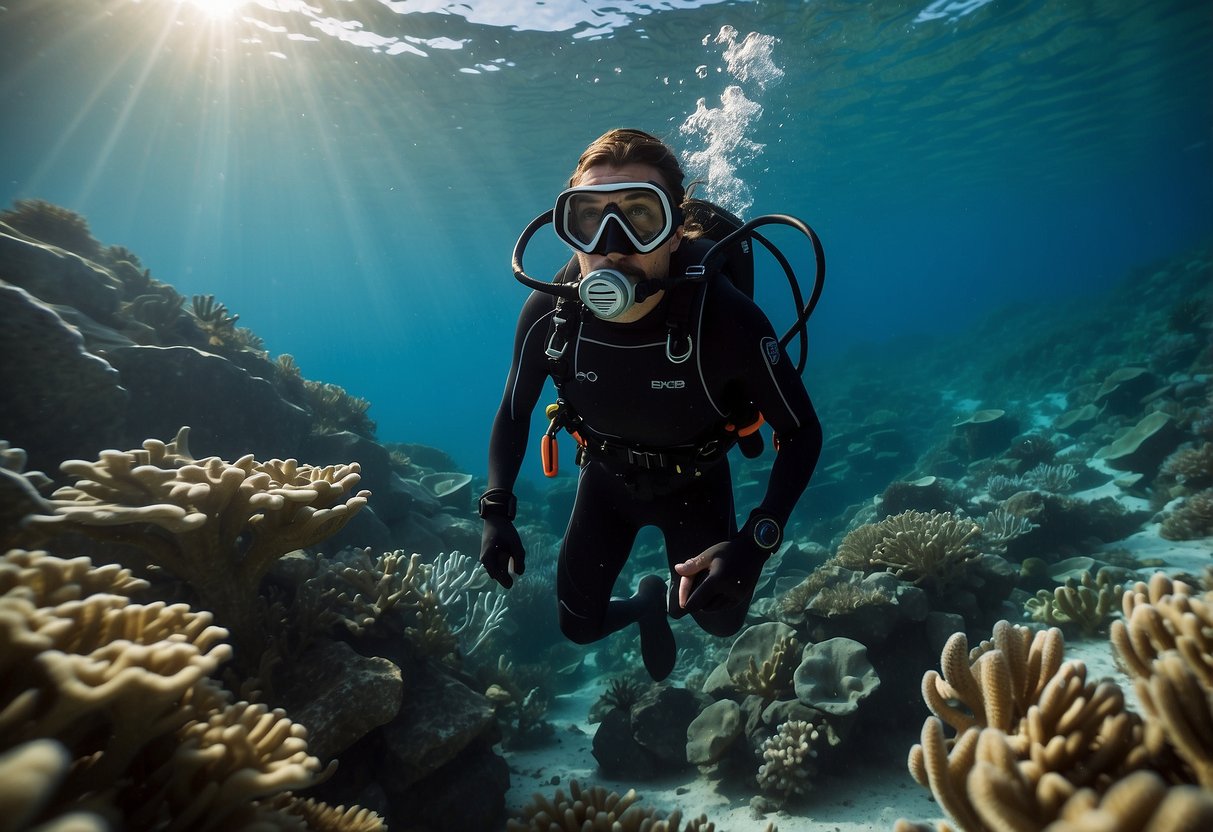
<point>630,271</point>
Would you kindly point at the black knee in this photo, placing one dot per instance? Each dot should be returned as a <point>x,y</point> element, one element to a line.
<point>577,629</point>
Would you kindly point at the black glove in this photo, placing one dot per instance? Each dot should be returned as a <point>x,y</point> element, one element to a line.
<point>499,544</point>
<point>736,566</point>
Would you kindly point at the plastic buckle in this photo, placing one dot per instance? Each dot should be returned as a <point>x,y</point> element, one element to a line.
<point>556,353</point>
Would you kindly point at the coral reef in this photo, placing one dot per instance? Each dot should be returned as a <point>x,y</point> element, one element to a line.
<point>788,758</point>
<point>219,526</point>
<point>113,705</point>
<point>1165,641</point>
<point>1036,742</point>
<point>932,549</point>
<point>1087,604</point>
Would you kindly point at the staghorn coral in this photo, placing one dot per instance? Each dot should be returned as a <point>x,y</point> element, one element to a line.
<point>788,758</point>
<point>774,676</point>
<point>1036,743</point>
<point>219,526</point>
<point>1165,643</point>
<point>1088,604</point>
<point>468,597</point>
<point>113,704</point>
<point>926,549</point>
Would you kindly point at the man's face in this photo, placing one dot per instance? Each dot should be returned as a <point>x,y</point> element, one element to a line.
<point>637,267</point>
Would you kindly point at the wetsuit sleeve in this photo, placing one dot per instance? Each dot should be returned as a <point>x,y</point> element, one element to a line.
<point>523,386</point>
<point>761,371</point>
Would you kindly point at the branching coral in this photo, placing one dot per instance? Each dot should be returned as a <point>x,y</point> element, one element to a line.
<point>926,549</point>
<point>1037,743</point>
<point>466,594</point>
<point>123,691</point>
<point>1166,643</point>
<point>774,676</point>
<point>1000,527</point>
<point>788,756</point>
<point>1088,604</point>
<point>219,526</point>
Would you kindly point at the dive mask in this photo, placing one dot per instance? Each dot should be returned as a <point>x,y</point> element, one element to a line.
<point>620,217</point>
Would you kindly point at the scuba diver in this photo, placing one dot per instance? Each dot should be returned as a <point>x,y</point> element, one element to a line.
<point>661,364</point>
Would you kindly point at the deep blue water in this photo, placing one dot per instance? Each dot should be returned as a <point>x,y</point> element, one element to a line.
<point>349,176</point>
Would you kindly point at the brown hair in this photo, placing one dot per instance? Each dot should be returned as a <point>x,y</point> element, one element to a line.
<point>625,146</point>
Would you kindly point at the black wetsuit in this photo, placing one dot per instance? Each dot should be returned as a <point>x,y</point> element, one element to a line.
<point>628,394</point>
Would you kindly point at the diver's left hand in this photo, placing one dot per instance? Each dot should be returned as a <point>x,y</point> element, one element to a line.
<point>733,569</point>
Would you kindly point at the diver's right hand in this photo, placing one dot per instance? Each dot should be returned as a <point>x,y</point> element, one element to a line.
<point>500,546</point>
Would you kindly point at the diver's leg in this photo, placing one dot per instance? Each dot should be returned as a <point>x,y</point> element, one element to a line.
<point>598,541</point>
<point>697,518</point>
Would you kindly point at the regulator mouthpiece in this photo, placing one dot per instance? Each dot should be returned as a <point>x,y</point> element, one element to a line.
<point>607,293</point>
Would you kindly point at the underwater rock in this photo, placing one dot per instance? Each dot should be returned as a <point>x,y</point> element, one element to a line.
<point>54,275</point>
<point>230,412</point>
<point>835,676</point>
<point>616,750</point>
<point>438,717</point>
<point>986,433</point>
<point>71,403</point>
<point>711,733</point>
<point>923,494</point>
<point>325,681</point>
<point>660,721</point>
<point>1123,390</point>
<point>1143,447</point>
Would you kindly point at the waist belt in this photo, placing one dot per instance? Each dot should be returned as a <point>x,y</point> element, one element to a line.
<point>683,460</point>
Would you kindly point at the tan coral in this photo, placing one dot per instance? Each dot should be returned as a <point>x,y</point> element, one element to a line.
<point>124,690</point>
<point>1031,732</point>
<point>1166,644</point>
<point>930,549</point>
<point>1141,802</point>
<point>216,525</point>
<point>775,675</point>
<point>1088,604</point>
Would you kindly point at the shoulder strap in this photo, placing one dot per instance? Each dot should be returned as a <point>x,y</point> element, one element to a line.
<point>564,323</point>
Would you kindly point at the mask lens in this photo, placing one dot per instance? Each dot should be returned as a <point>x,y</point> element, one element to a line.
<point>642,211</point>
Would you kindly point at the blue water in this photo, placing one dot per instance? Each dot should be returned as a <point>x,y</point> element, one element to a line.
<point>349,176</point>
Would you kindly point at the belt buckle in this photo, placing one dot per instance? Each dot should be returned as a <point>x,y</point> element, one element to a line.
<point>643,459</point>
